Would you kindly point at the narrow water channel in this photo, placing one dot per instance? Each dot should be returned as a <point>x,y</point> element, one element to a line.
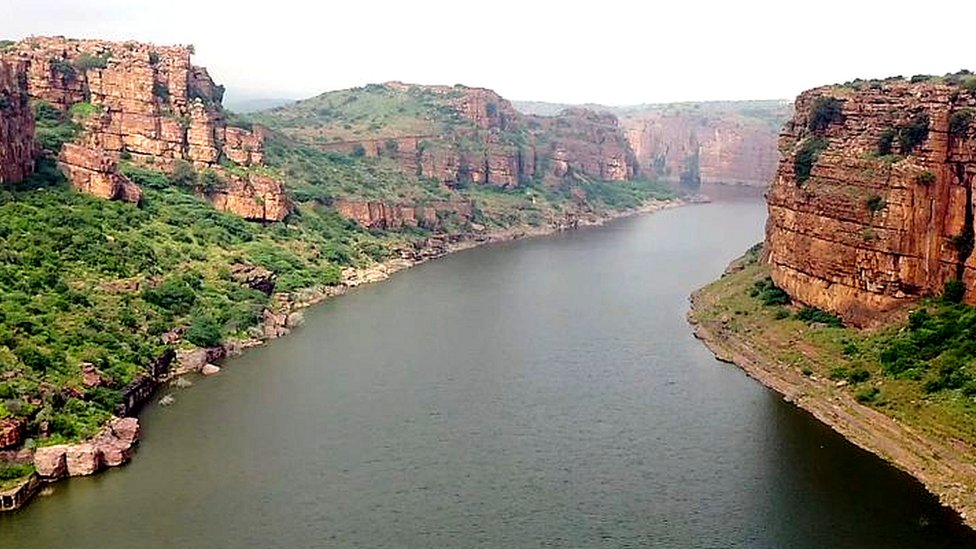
<point>543,393</point>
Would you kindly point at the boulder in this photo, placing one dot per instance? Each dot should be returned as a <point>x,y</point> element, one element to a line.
<point>50,461</point>
<point>11,433</point>
<point>210,369</point>
<point>83,459</point>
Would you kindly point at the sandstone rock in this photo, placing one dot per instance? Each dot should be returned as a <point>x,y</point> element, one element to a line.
<point>16,122</point>
<point>83,459</point>
<point>11,433</point>
<point>254,277</point>
<point>210,369</point>
<point>193,360</point>
<point>115,442</point>
<point>378,215</point>
<point>152,104</point>
<point>90,376</point>
<point>126,429</point>
<point>50,461</point>
<point>258,198</point>
<point>864,234</point>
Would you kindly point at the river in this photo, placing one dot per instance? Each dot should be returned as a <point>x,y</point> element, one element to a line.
<point>541,393</point>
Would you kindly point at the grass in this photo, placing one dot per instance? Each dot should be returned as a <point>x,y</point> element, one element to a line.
<point>916,372</point>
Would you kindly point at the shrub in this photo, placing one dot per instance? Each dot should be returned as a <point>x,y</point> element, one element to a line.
<point>925,178</point>
<point>859,375</point>
<point>160,91</point>
<point>869,394</point>
<point>813,315</point>
<point>183,175</point>
<point>806,156</point>
<point>209,181</point>
<point>359,151</point>
<point>767,292</point>
<point>154,57</point>
<point>87,61</point>
<point>63,68</point>
<point>953,291</point>
<point>886,141</point>
<point>959,122</point>
<point>176,294</point>
<point>874,204</point>
<point>913,134</point>
<point>84,110</point>
<point>145,177</point>
<point>826,111</point>
<point>203,331</point>
<point>52,128</point>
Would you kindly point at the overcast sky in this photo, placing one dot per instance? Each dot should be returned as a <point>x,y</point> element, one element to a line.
<point>605,51</point>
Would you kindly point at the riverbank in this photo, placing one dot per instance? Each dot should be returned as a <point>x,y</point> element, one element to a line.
<point>927,439</point>
<point>283,316</point>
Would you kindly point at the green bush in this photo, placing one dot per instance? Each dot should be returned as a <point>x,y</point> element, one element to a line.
<point>14,472</point>
<point>925,178</point>
<point>913,134</point>
<point>769,293</point>
<point>84,110</point>
<point>868,394</point>
<point>826,111</point>
<point>203,331</point>
<point>52,128</point>
<point>959,122</point>
<point>183,175</point>
<point>813,315</point>
<point>806,156</point>
<point>953,291</point>
<point>874,203</point>
<point>87,61</point>
<point>160,91</point>
<point>886,141</point>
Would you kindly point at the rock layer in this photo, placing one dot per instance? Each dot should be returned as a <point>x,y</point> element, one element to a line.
<point>481,139</point>
<point>378,215</point>
<point>149,104</point>
<point>869,229</point>
<point>16,122</point>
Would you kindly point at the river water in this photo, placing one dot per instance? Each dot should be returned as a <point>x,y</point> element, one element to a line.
<point>543,393</point>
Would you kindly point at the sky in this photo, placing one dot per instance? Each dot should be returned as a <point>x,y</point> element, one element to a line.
<point>612,52</point>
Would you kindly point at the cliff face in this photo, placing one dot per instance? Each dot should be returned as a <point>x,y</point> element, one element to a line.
<point>16,122</point>
<point>142,102</point>
<point>378,215</point>
<point>872,204</point>
<point>717,145</point>
<point>459,135</point>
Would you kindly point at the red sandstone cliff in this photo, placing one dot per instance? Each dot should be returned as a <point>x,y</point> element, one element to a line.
<point>16,122</point>
<point>149,104</point>
<point>717,144</point>
<point>886,214</point>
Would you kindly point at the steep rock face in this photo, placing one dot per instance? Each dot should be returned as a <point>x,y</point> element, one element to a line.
<point>377,215</point>
<point>149,104</point>
<point>694,148</point>
<point>479,138</point>
<point>868,229</point>
<point>16,122</point>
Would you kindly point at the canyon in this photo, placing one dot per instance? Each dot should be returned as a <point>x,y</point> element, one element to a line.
<point>720,142</point>
<point>871,206</point>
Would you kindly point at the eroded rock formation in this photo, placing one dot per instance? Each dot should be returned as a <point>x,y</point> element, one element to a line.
<point>16,122</point>
<point>149,104</point>
<point>111,447</point>
<point>872,204</point>
<point>487,142</point>
<point>378,215</point>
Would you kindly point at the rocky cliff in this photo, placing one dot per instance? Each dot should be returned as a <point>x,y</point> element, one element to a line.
<point>149,105</point>
<point>723,143</point>
<point>16,122</point>
<point>460,135</point>
<point>872,203</point>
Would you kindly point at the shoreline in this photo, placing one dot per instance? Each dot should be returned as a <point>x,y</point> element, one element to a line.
<point>283,316</point>
<point>932,461</point>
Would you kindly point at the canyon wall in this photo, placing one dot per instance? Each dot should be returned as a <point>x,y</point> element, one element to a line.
<point>16,122</point>
<point>479,138</point>
<point>872,203</point>
<point>149,105</point>
<point>692,146</point>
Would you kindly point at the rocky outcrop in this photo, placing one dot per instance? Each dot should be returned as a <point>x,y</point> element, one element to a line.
<point>378,215</point>
<point>872,204</point>
<point>11,433</point>
<point>111,447</point>
<point>479,138</point>
<point>149,104</point>
<point>256,197</point>
<point>92,171</point>
<point>16,122</point>
<point>706,145</point>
